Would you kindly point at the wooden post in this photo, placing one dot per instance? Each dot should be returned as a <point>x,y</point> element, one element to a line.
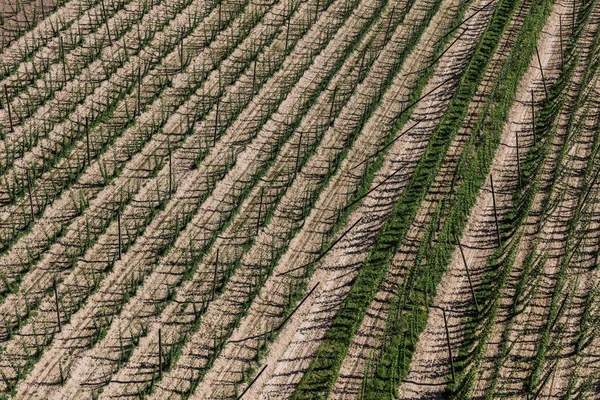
<point>362,64</point>
<point>8,109</point>
<point>539,391</point>
<point>468,275</point>
<point>287,34</point>
<point>181,48</point>
<point>30,196</point>
<point>170,166</point>
<point>495,211</point>
<point>216,123</point>
<point>518,158</point>
<point>316,12</point>
<point>56,303</point>
<point>259,210</point>
<point>332,105</point>
<point>106,21</point>
<point>449,347</point>
<point>139,91</point>
<point>43,9</point>
<point>160,360</point>
<point>119,231</point>
<point>298,154</point>
<point>254,77</point>
<point>212,297</point>
<point>562,61</point>
<point>63,57</point>
<point>573,24</point>
<point>87,140</point>
<point>387,32</point>
<point>541,72</point>
<point>252,383</point>
<point>533,118</point>
<point>297,307</point>
<point>220,1</point>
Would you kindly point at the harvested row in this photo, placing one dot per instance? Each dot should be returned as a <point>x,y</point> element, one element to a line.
<point>155,242</point>
<point>51,70</point>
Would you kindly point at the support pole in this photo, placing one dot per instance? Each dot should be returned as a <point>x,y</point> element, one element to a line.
<point>541,72</point>
<point>462,254</point>
<point>119,233</point>
<point>252,383</point>
<point>56,303</point>
<point>259,210</point>
<point>495,211</point>
<point>106,21</point>
<point>518,158</point>
<point>8,109</point>
<point>214,288</point>
<point>332,105</point>
<point>533,118</point>
<point>449,347</point>
<point>87,140</point>
<point>160,360</point>
<point>30,196</point>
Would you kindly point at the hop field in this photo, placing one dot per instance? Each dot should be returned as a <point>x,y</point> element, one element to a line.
<point>299,199</point>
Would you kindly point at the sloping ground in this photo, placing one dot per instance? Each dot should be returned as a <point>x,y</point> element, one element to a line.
<point>292,198</point>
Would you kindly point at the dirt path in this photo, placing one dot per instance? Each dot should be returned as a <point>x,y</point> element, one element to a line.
<point>427,375</point>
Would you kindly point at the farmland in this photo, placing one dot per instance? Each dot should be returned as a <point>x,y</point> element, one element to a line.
<point>299,199</point>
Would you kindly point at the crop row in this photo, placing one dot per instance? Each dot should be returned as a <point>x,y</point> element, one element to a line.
<point>216,156</point>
